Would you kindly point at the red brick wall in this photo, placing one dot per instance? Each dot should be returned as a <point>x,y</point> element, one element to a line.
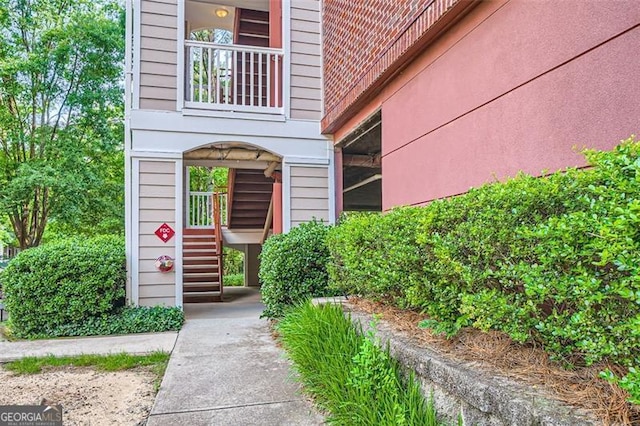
<point>363,39</point>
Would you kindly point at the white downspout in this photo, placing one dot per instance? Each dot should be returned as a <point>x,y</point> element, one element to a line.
<point>128,75</point>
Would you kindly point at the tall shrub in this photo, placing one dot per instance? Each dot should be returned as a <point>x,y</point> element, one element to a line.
<point>64,282</point>
<point>553,260</point>
<point>293,267</point>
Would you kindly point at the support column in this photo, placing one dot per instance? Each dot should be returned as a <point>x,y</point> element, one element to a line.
<point>251,265</point>
<point>337,163</point>
<point>277,207</point>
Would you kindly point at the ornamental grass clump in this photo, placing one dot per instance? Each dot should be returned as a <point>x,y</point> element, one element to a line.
<point>346,371</point>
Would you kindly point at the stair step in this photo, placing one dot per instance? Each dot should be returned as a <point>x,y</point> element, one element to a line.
<point>213,296</point>
<point>202,290</point>
<point>195,270</point>
<point>251,15</point>
<point>250,213</point>
<point>250,205</point>
<point>198,253</point>
<point>253,41</point>
<point>254,28</point>
<point>199,239</point>
<point>198,232</point>
<point>242,177</point>
<point>249,188</point>
<point>193,246</point>
<point>248,223</point>
<point>200,278</point>
<point>199,247</point>
<point>199,261</point>
<point>251,197</point>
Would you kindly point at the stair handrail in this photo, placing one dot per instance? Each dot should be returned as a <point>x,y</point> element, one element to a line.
<point>217,229</point>
<point>231,183</point>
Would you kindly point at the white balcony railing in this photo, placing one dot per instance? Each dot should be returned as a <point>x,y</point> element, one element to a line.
<point>200,209</point>
<point>233,78</point>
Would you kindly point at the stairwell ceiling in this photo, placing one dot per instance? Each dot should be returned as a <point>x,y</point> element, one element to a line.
<point>201,13</point>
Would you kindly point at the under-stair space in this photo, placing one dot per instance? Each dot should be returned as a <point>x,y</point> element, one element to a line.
<point>251,196</point>
<point>202,281</point>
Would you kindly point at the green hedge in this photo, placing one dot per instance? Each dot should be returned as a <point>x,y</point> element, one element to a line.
<point>64,282</point>
<point>293,267</point>
<point>77,288</point>
<point>553,260</point>
<point>126,320</point>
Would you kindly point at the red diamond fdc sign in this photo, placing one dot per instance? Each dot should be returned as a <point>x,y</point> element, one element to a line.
<point>165,232</point>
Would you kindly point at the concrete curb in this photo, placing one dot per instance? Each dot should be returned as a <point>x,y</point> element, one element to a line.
<point>462,389</point>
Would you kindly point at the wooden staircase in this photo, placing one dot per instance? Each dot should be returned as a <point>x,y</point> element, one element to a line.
<point>251,29</point>
<point>250,194</point>
<point>201,279</point>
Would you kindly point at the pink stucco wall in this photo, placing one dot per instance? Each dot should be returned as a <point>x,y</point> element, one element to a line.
<point>515,85</point>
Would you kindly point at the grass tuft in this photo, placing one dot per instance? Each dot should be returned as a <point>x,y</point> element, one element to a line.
<point>113,362</point>
<point>347,373</point>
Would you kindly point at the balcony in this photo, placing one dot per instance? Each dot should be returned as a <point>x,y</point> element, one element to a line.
<point>229,77</point>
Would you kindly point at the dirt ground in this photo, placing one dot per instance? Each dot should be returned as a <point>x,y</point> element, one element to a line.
<point>88,397</point>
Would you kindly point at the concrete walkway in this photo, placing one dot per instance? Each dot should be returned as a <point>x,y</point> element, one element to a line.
<point>227,370</point>
<point>132,343</point>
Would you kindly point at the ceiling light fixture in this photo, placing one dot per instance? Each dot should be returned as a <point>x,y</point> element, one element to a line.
<point>221,13</point>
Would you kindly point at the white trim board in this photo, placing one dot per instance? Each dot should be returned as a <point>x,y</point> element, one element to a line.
<point>178,236</point>
<point>286,45</point>
<point>286,196</point>
<point>135,231</point>
<point>308,161</point>
<point>332,187</point>
<point>180,36</point>
<point>160,155</point>
<point>169,121</point>
<point>136,53</point>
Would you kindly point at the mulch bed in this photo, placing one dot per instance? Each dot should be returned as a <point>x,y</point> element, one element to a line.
<point>580,387</point>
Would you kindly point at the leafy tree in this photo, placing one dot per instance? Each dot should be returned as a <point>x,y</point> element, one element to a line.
<point>202,178</point>
<point>60,114</point>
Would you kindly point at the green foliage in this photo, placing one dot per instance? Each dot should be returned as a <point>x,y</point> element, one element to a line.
<point>630,382</point>
<point>64,283</point>
<point>233,261</point>
<point>202,178</point>
<point>553,260</point>
<point>61,115</point>
<point>293,267</point>
<point>112,362</point>
<point>125,320</point>
<point>347,373</point>
<point>233,280</point>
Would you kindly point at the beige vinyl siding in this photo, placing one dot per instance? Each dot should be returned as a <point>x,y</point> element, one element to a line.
<point>306,81</point>
<point>158,54</point>
<point>157,205</point>
<point>309,194</point>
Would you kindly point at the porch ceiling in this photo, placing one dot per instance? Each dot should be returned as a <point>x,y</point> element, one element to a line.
<point>362,183</point>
